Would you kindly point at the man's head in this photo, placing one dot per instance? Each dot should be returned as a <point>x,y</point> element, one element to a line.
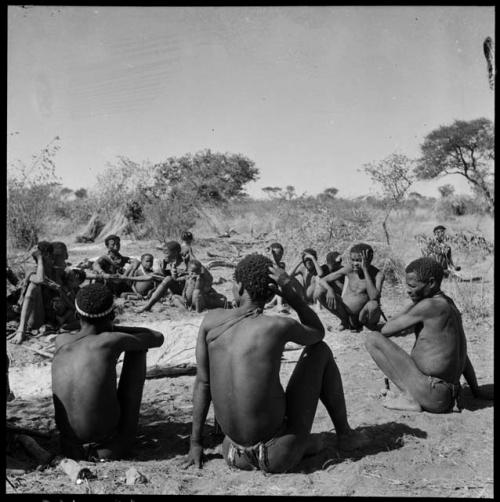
<point>194,267</point>
<point>308,263</point>
<point>112,242</point>
<point>252,275</point>
<point>46,251</point>
<point>94,305</point>
<point>439,232</point>
<point>147,261</point>
<point>74,277</point>
<point>277,250</point>
<point>60,253</point>
<point>423,278</point>
<point>333,260</point>
<point>172,250</point>
<point>356,254</point>
<point>187,237</point>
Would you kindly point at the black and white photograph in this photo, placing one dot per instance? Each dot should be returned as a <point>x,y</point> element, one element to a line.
<point>250,250</point>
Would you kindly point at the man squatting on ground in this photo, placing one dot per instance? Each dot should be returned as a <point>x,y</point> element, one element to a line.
<point>429,377</point>
<point>96,419</point>
<point>359,304</point>
<point>238,356</point>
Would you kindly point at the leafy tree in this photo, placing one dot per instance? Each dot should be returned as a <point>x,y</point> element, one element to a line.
<point>272,192</point>
<point>446,190</point>
<point>330,192</point>
<point>81,193</point>
<point>209,177</point>
<point>466,148</point>
<point>394,175</point>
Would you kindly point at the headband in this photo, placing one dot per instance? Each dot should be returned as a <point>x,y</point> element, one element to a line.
<point>94,316</point>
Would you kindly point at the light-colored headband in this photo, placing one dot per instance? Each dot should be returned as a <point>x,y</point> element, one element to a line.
<point>94,316</point>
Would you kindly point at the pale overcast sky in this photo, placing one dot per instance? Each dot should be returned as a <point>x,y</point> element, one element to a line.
<point>308,93</point>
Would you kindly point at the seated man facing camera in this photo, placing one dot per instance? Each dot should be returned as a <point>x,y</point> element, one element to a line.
<point>238,355</point>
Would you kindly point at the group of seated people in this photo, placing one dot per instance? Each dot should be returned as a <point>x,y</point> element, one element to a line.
<point>238,358</point>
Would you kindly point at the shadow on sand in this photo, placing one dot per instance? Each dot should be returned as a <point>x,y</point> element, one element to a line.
<point>384,437</point>
<point>471,403</point>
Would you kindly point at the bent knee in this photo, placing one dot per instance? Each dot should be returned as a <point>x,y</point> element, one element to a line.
<point>318,349</point>
<point>372,340</point>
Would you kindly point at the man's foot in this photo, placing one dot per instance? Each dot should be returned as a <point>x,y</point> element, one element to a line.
<point>142,310</point>
<point>352,440</point>
<point>402,402</point>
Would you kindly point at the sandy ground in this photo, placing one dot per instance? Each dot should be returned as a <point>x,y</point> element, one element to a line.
<point>411,454</point>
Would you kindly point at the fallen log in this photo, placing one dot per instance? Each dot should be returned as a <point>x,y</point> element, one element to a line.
<point>158,371</point>
<point>29,432</point>
<point>220,263</point>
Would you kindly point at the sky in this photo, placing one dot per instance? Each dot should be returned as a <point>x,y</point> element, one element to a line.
<point>310,94</point>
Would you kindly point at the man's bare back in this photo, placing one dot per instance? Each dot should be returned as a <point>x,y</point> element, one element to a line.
<point>256,342</point>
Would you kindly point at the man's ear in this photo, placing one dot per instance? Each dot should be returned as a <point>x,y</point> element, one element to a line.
<point>432,282</point>
<point>241,288</point>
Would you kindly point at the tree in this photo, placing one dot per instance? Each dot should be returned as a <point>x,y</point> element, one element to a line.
<point>272,192</point>
<point>466,148</point>
<point>446,190</point>
<point>210,177</point>
<point>81,193</point>
<point>394,175</point>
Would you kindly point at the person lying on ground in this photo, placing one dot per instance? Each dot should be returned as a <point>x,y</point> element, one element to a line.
<point>307,272</point>
<point>112,264</point>
<point>429,377</point>
<point>359,303</point>
<point>238,357</point>
<point>186,247</point>
<point>97,419</point>
<point>198,293</point>
<point>38,290</point>
<point>438,249</point>
<point>174,275</point>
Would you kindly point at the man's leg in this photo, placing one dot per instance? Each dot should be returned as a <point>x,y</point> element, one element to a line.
<point>315,377</point>
<point>400,368</point>
<point>158,294</point>
<point>32,312</point>
<point>130,387</point>
<point>370,314</point>
<point>198,301</point>
<point>340,310</point>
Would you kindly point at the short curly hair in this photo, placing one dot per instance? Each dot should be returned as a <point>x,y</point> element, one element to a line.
<point>59,248</point>
<point>172,246</point>
<point>111,237</point>
<point>146,254</point>
<point>187,236</point>
<point>253,272</point>
<point>276,245</point>
<point>425,268</point>
<point>361,247</point>
<point>310,251</point>
<point>94,300</point>
<point>45,247</point>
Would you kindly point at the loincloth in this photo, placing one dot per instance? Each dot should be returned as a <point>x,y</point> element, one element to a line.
<point>447,396</point>
<point>255,456</point>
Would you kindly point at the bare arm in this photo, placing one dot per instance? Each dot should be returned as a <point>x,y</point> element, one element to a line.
<point>96,266</point>
<point>295,270</point>
<point>133,338</point>
<point>470,377</point>
<point>407,319</point>
<point>310,330</point>
<point>319,271</point>
<point>201,398</point>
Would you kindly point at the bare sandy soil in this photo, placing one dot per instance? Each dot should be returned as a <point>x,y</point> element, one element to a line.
<point>411,454</point>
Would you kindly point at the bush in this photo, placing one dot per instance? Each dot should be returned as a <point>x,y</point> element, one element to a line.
<point>459,205</point>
